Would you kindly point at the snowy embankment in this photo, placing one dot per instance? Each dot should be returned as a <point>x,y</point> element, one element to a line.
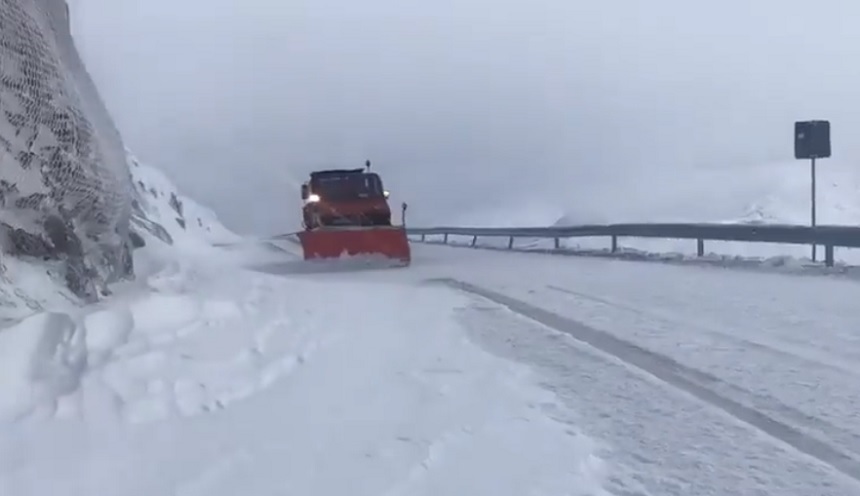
<point>203,377</point>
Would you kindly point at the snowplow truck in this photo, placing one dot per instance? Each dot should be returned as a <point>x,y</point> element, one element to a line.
<point>346,213</point>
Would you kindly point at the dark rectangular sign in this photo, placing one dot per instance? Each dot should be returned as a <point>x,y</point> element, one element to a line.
<point>811,139</point>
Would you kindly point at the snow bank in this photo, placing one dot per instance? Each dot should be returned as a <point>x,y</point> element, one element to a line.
<point>106,330</point>
<point>41,358</point>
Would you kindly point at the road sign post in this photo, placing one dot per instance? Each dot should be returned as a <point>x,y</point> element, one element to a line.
<point>812,141</point>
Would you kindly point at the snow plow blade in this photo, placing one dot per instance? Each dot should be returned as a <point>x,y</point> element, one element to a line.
<point>384,242</point>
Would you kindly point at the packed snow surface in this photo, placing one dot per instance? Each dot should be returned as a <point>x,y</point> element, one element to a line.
<point>207,378</point>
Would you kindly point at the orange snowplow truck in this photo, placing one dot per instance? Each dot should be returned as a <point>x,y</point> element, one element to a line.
<point>346,212</point>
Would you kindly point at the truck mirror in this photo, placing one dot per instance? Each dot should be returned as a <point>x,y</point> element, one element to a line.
<point>304,191</point>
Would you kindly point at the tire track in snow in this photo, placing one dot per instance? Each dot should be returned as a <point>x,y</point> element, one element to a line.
<point>672,373</point>
<point>780,350</point>
<point>761,401</point>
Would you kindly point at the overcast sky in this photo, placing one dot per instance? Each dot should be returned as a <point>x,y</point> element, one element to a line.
<point>466,106</point>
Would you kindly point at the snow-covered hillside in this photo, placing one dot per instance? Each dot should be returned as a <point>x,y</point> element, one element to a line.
<point>786,193</point>
<point>65,188</point>
<point>774,193</point>
<point>769,193</point>
<point>165,224</point>
<point>179,218</point>
<point>75,202</point>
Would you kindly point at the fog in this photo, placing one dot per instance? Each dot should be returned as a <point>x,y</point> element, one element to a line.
<point>613,109</point>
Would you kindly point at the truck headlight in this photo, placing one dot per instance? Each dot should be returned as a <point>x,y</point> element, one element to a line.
<point>312,198</point>
<point>386,194</point>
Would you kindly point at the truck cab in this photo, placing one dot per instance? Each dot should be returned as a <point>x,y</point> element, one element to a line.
<point>344,197</point>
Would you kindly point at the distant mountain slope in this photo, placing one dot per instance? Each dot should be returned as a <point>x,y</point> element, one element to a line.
<point>166,214</point>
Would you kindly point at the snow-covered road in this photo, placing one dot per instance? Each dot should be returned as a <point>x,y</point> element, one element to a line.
<point>700,380</point>
<point>776,353</point>
<point>471,372</point>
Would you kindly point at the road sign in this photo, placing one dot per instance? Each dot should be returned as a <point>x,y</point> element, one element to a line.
<point>812,141</point>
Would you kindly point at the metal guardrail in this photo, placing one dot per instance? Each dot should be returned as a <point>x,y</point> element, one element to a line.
<point>827,236</point>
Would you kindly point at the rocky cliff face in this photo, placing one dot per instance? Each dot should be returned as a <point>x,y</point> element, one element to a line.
<point>65,187</point>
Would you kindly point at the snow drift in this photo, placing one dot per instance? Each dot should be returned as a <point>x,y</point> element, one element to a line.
<point>65,187</point>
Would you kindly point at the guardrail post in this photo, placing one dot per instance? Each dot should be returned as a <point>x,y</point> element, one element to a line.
<point>828,255</point>
<point>557,244</point>
<point>474,240</point>
<point>700,247</point>
<point>445,240</point>
<point>614,243</point>
<point>510,242</point>
<point>423,238</point>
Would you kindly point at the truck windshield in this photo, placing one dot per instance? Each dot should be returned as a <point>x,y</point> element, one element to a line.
<point>348,187</point>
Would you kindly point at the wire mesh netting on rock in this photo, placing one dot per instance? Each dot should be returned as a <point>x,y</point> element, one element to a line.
<point>65,186</point>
